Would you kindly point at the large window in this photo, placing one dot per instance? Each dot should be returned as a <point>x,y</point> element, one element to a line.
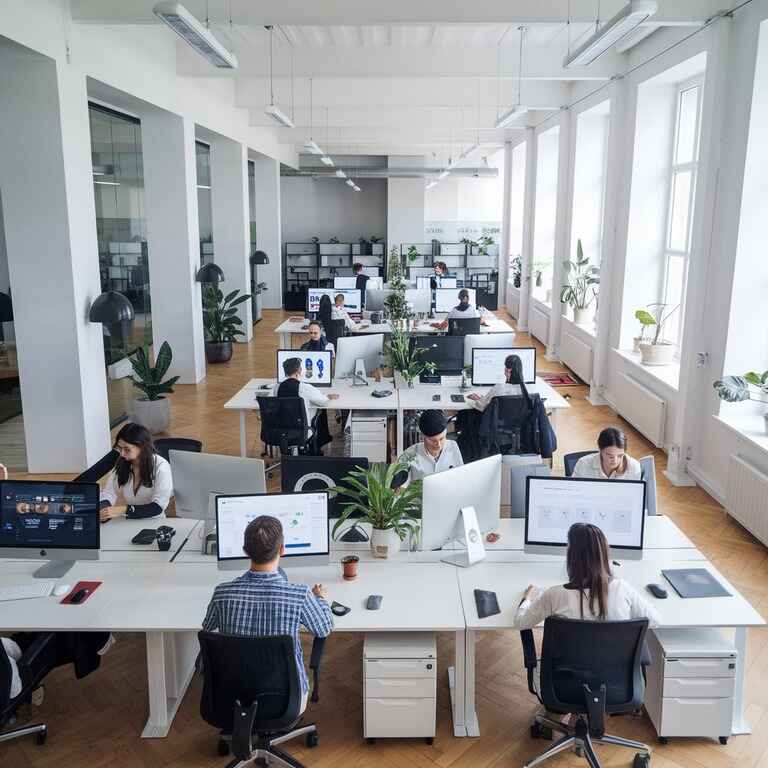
<point>545,214</point>
<point>682,187</point>
<point>204,203</point>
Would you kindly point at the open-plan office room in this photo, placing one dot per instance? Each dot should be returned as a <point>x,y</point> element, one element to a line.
<point>383,384</point>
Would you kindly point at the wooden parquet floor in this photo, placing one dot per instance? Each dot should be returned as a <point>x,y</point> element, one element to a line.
<point>95,723</point>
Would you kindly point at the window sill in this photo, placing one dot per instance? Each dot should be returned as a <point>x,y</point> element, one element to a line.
<point>748,424</point>
<point>588,329</point>
<point>542,306</point>
<point>666,374</point>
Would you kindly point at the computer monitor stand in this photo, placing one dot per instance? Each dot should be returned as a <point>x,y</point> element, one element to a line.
<point>475,551</point>
<point>354,534</point>
<point>53,569</point>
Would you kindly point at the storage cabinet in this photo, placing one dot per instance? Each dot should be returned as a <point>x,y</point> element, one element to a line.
<point>369,435</point>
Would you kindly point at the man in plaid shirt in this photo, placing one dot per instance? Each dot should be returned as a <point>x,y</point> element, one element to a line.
<point>263,602</point>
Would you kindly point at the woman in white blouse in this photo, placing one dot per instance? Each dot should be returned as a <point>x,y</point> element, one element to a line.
<point>513,384</point>
<point>611,462</point>
<point>141,478</point>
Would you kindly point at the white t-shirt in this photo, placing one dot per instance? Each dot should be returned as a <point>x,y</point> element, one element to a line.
<point>14,654</point>
<point>592,468</point>
<point>497,390</point>
<point>423,463</point>
<point>470,313</point>
<point>160,492</point>
<point>312,397</point>
<point>339,313</point>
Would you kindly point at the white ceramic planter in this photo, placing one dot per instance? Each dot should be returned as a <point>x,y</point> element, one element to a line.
<point>155,415</point>
<point>582,315</point>
<point>384,543</point>
<point>656,354</point>
<point>636,345</point>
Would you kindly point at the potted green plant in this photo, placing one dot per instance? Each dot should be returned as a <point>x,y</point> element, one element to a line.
<point>413,253</point>
<point>396,304</point>
<point>392,512</point>
<point>404,358</point>
<point>579,291</point>
<point>221,323</point>
<point>483,244</point>
<point>516,265</point>
<point>751,386</point>
<point>153,410</point>
<point>655,351</point>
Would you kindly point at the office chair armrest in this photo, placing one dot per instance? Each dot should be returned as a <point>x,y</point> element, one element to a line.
<point>530,660</point>
<point>242,728</point>
<point>315,660</point>
<point>38,659</point>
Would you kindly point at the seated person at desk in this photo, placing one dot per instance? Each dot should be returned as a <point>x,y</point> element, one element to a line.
<point>440,269</point>
<point>317,341</point>
<point>263,602</point>
<point>339,313</point>
<point>462,311</point>
<point>513,384</point>
<point>435,453</point>
<point>611,461</point>
<point>140,476</point>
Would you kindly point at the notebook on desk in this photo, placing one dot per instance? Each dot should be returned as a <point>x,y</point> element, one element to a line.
<point>695,582</point>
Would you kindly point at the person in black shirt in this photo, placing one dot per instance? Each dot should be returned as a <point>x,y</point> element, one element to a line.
<point>361,281</point>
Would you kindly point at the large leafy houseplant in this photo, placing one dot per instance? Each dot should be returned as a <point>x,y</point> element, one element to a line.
<point>390,511</point>
<point>751,386</point>
<point>396,304</point>
<point>221,323</point>
<point>153,410</point>
<point>483,245</point>
<point>580,289</point>
<point>405,358</point>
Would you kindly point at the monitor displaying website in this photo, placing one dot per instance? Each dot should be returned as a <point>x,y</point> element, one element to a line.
<point>351,298</point>
<point>488,364</point>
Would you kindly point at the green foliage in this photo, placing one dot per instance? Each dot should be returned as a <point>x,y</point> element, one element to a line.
<point>736,389</point>
<point>580,290</point>
<point>149,379</point>
<point>396,305</point>
<point>373,497</point>
<point>517,271</point>
<point>655,317</point>
<point>484,242</point>
<point>404,358</point>
<point>413,253</point>
<point>220,318</point>
<point>374,239</point>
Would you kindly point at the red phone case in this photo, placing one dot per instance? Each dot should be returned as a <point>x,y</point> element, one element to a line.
<point>90,585</point>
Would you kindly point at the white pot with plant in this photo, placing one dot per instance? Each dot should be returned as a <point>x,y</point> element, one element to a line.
<point>655,351</point>
<point>404,358</point>
<point>751,386</point>
<point>392,512</point>
<point>579,291</point>
<point>152,411</point>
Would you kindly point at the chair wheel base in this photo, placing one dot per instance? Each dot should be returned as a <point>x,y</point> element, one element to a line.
<point>429,740</point>
<point>371,741</point>
<point>641,760</point>
<point>312,740</point>
<point>40,738</point>
<point>723,740</point>
<point>663,740</point>
<point>539,731</point>
<point>222,748</point>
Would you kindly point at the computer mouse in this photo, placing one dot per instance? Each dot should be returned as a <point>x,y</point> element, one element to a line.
<point>61,589</point>
<point>657,591</point>
<point>80,595</point>
<point>374,602</point>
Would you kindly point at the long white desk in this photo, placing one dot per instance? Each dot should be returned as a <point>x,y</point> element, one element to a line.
<point>509,581</point>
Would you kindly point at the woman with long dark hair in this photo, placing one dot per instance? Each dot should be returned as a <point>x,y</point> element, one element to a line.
<point>513,384</point>
<point>141,478</point>
<point>611,462</point>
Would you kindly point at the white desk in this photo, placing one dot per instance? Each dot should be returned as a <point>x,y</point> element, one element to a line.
<point>509,581</point>
<point>419,397</point>
<point>350,398</point>
<point>116,535</point>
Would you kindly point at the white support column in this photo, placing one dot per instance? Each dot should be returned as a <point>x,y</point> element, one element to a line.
<point>405,211</point>
<point>231,221</point>
<point>170,189</point>
<point>505,225</point>
<point>50,233</point>
<point>529,214</point>
<point>268,227</point>
<point>562,229</point>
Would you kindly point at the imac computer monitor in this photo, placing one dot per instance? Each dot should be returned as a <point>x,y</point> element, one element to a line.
<point>419,299</point>
<point>488,364</point>
<point>197,475</point>
<point>304,517</point>
<point>448,298</point>
<point>48,520</point>
<point>447,352</point>
<point>344,283</point>
<point>486,340</point>
<point>351,298</point>
<point>315,366</point>
<point>349,349</point>
<point>371,271</point>
<point>554,504</point>
<point>375,282</point>
<point>374,298</point>
<point>424,283</point>
<point>444,494</point>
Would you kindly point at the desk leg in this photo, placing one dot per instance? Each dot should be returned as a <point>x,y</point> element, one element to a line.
<point>740,725</point>
<point>170,666</point>
<point>457,684</point>
<point>400,430</point>
<point>470,715</point>
<point>243,435</point>
<point>553,418</point>
<point>285,341</point>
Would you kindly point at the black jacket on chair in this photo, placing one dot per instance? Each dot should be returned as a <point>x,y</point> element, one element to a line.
<point>535,432</point>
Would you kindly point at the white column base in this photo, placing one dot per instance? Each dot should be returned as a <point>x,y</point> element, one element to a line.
<point>679,478</point>
<point>243,434</point>
<point>551,355</point>
<point>595,398</point>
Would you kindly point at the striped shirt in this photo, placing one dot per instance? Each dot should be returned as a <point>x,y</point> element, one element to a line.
<point>264,603</point>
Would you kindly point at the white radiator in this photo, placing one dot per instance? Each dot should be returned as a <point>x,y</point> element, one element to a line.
<point>577,355</point>
<point>745,497</point>
<point>538,323</point>
<point>513,302</point>
<point>643,409</point>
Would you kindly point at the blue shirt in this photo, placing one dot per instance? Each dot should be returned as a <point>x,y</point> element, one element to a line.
<point>261,603</point>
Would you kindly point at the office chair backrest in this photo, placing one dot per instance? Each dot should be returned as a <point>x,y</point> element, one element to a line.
<point>164,445</point>
<point>463,326</point>
<point>648,473</point>
<point>576,653</point>
<point>249,669</point>
<point>517,484</point>
<point>283,421</point>
<point>5,681</point>
<point>570,460</point>
<point>512,414</point>
<point>334,329</point>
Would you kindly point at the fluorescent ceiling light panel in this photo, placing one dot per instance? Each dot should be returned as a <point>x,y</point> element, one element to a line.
<point>356,188</point>
<point>431,184</point>
<point>312,148</point>
<point>628,18</point>
<point>195,34</point>
<point>349,183</point>
<point>467,152</point>
<point>325,160</point>
<point>341,174</point>
<point>278,116</point>
<point>442,175</point>
<point>510,116</point>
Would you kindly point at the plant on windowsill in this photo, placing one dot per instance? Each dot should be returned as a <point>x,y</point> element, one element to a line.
<point>516,266</point>
<point>392,512</point>
<point>404,358</point>
<point>751,386</point>
<point>483,244</point>
<point>221,323</point>
<point>579,292</point>
<point>656,351</point>
<point>153,410</point>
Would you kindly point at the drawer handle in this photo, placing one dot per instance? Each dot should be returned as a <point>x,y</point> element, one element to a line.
<point>698,702</point>
<point>397,702</point>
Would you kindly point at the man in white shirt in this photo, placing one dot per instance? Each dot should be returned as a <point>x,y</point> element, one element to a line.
<point>292,386</point>
<point>435,453</point>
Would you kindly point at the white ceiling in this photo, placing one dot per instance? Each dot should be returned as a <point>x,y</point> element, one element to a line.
<point>399,77</point>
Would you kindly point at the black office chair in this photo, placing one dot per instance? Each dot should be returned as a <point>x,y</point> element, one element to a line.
<point>570,459</point>
<point>505,427</point>
<point>334,329</point>
<point>252,692</point>
<point>590,669</point>
<point>164,445</point>
<point>459,326</point>
<point>284,425</point>
<point>35,663</point>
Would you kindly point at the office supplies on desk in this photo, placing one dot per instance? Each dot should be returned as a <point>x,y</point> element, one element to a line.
<point>26,591</point>
<point>487,603</point>
<point>656,590</point>
<point>144,536</point>
<point>164,535</point>
<point>458,399</point>
<point>337,609</point>
<point>695,582</point>
<point>61,589</point>
<point>373,603</point>
<point>437,398</point>
<point>82,591</point>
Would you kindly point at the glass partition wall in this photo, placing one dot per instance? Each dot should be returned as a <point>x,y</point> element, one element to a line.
<point>204,204</point>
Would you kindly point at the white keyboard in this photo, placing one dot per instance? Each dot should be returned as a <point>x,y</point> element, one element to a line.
<point>26,591</point>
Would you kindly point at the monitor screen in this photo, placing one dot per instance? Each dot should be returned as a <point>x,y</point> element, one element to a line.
<point>447,282</point>
<point>49,515</point>
<point>424,283</point>
<point>447,352</point>
<point>315,366</point>
<point>488,364</point>
<point>419,299</point>
<point>351,298</point>
<point>448,298</point>
<point>344,283</point>
<point>371,271</point>
<point>350,349</point>
<point>554,504</point>
<point>304,517</point>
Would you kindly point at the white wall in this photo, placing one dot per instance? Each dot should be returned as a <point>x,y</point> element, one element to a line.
<point>405,211</point>
<point>327,208</point>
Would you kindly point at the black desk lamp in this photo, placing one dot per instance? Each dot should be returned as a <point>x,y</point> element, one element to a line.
<point>259,257</point>
<point>210,273</point>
